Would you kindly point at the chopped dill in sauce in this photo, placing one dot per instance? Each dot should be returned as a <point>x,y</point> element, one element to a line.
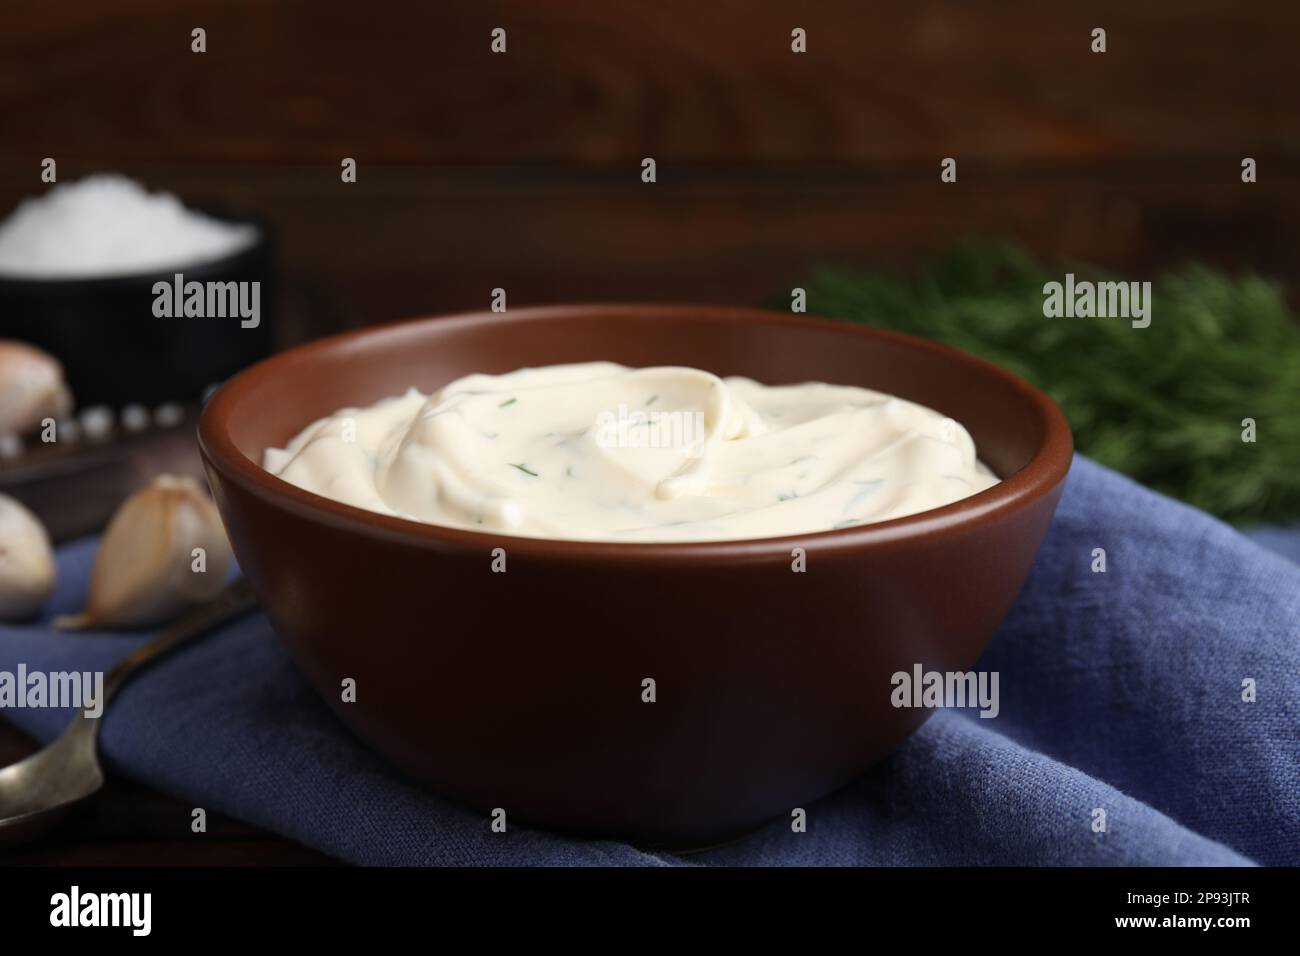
<point>726,459</point>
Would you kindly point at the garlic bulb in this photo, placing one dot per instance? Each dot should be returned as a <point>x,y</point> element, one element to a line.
<point>164,551</point>
<point>31,388</point>
<point>26,562</point>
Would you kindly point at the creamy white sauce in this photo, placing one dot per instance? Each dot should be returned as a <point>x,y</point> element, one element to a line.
<point>601,452</point>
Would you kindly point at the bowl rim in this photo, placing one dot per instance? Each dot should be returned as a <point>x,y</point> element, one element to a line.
<point>1039,477</point>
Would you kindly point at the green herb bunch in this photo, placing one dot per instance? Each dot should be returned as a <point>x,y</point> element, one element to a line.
<point>1163,404</point>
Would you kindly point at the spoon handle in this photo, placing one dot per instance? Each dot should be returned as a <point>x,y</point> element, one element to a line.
<point>236,599</point>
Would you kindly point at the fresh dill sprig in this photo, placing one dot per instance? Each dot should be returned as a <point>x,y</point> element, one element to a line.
<point>1164,404</point>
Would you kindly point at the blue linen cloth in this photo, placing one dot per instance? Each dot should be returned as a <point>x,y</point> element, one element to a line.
<point>1120,691</point>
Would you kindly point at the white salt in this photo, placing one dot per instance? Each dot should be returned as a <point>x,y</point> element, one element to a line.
<point>107,224</point>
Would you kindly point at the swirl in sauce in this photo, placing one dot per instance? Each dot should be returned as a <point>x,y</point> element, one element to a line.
<point>601,452</point>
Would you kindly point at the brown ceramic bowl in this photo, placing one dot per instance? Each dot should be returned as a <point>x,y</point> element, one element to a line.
<point>523,690</point>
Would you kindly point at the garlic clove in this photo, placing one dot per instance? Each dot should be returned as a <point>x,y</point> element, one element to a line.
<point>32,388</point>
<point>26,562</point>
<point>147,570</point>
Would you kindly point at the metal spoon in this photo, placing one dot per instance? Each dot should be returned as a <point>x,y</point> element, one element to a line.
<point>36,792</point>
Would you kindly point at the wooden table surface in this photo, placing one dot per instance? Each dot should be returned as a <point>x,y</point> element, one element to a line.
<point>522,170</point>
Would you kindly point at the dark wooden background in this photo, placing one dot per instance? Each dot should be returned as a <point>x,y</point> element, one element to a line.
<point>523,170</point>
